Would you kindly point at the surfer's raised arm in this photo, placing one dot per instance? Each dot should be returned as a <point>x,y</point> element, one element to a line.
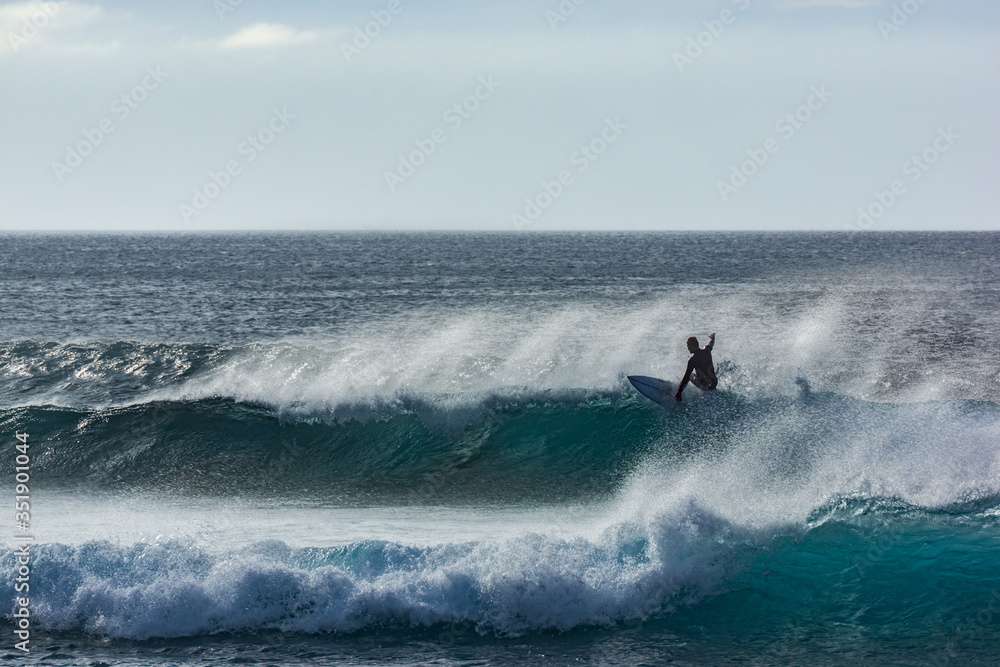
<point>711,342</point>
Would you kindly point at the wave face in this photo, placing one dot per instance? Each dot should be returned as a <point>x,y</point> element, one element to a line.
<point>529,451</point>
<point>551,448</point>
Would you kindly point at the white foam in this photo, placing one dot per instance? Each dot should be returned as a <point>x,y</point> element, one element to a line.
<point>507,585</point>
<point>795,458</point>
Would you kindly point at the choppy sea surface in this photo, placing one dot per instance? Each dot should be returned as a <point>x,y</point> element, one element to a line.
<point>417,449</point>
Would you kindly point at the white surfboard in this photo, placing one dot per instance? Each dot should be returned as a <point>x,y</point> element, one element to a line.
<point>655,389</point>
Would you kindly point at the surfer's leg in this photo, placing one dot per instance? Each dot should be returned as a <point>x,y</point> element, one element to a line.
<point>702,383</point>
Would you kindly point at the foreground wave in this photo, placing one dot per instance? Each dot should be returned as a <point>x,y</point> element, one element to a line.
<point>674,567</point>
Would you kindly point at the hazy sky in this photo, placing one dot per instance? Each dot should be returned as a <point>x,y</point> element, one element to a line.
<point>540,115</point>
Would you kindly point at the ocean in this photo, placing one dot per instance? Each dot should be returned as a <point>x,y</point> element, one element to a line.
<point>411,449</point>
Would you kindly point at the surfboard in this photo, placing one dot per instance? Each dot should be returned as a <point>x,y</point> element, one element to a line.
<point>656,390</point>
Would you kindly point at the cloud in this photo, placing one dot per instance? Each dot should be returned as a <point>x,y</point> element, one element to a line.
<point>17,17</point>
<point>53,27</point>
<point>267,35</point>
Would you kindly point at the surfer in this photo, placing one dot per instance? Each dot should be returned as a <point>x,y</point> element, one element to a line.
<point>700,369</point>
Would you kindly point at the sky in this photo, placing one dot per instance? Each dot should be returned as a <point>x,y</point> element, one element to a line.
<point>544,115</point>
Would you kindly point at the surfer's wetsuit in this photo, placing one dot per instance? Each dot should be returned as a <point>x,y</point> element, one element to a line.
<point>700,369</point>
